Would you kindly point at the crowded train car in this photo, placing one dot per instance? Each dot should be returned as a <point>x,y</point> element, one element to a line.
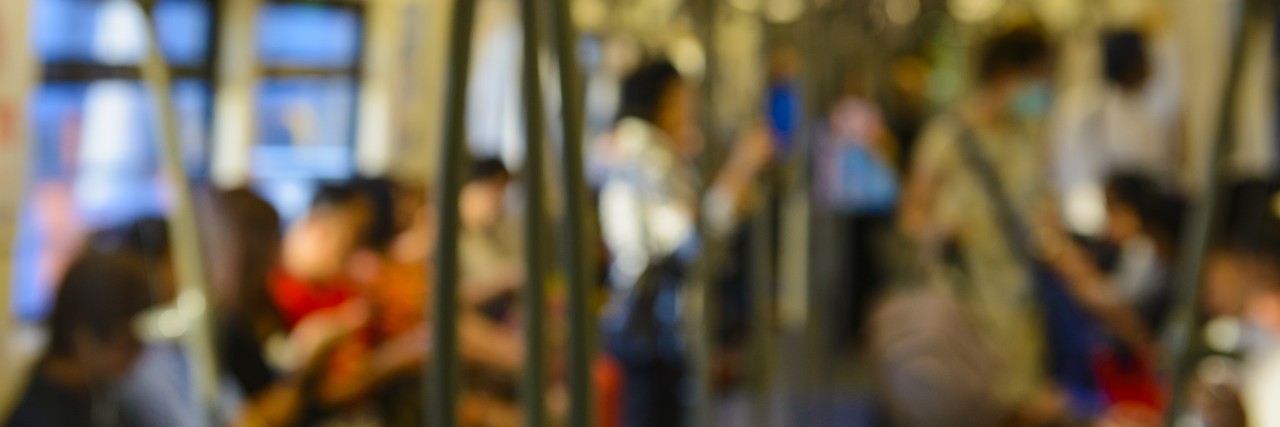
<point>634,213</point>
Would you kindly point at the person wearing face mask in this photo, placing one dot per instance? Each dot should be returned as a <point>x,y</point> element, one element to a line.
<point>976,167</point>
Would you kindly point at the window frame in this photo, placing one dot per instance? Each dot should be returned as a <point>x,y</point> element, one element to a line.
<point>354,73</point>
<point>82,71</point>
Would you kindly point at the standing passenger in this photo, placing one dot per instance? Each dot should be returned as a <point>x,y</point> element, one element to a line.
<point>649,210</point>
<point>989,147</point>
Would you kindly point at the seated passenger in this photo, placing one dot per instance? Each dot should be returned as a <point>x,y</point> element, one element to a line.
<point>313,274</point>
<point>379,363</point>
<point>490,245</point>
<point>261,386</point>
<point>159,389</point>
<point>92,346</point>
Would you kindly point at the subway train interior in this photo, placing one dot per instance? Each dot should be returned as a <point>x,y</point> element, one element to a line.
<point>634,213</point>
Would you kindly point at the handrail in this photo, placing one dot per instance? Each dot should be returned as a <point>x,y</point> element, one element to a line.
<point>535,293</point>
<point>184,235</point>
<point>761,281</point>
<point>442,369</point>
<point>702,306</point>
<point>577,260</point>
<point>1195,245</point>
<point>16,77</point>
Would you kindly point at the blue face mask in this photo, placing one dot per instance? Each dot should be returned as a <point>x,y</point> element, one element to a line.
<point>1032,101</point>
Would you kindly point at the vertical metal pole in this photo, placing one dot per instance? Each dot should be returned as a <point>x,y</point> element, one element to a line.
<point>1195,245</point>
<point>17,77</point>
<point>184,236</point>
<point>576,260</point>
<point>714,150</point>
<point>761,282</point>
<point>442,372</point>
<point>535,299</point>
<point>702,307</point>
<point>816,355</point>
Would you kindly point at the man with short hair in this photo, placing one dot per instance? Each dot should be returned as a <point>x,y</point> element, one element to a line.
<point>92,346</point>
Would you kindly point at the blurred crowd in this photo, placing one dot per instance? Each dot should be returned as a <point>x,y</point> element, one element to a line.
<point>318,322</point>
<point>1011,258</point>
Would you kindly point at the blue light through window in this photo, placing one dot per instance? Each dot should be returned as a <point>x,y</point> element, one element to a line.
<point>71,30</point>
<point>308,36</point>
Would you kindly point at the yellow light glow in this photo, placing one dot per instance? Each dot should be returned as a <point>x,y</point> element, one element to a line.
<point>901,12</point>
<point>783,11</point>
<point>973,11</point>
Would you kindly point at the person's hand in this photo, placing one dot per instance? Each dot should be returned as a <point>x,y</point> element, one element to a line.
<point>1051,238</point>
<point>404,352</point>
<point>485,343</point>
<point>317,331</point>
<point>755,149</point>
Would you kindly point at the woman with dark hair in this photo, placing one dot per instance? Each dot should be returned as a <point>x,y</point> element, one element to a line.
<point>274,369</point>
<point>249,238</point>
<point>650,205</point>
<point>242,237</point>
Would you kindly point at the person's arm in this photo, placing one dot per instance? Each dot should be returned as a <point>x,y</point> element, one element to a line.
<point>917,205</point>
<point>276,405</point>
<point>726,198</point>
<point>483,342</point>
<point>1086,283</point>
<point>478,291</point>
<point>916,213</point>
<point>356,371</point>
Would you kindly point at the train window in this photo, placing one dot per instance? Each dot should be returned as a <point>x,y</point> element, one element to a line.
<point>306,101</point>
<point>95,156</point>
<point>109,32</point>
<point>92,99</point>
<point>311,118</point>
<point>308,36</point>
<point>107,127</point>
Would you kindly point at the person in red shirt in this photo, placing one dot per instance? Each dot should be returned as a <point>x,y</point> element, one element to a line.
<point>313,274</point>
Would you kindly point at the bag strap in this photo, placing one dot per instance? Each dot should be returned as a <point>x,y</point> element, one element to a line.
<point>1014,229</point>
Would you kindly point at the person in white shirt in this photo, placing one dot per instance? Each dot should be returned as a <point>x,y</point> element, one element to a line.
<point>1127,123</point>
<point>650,205</point>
